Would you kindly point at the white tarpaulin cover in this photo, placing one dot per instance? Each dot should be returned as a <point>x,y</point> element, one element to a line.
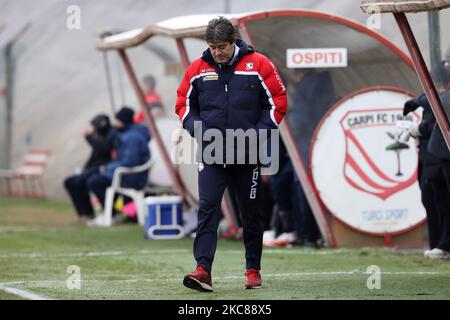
<point>374,6</point>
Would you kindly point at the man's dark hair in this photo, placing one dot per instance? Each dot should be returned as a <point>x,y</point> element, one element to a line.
<point>220,30</point>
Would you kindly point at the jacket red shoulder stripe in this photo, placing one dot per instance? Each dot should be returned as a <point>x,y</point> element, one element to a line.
<point>197,69</point>
<point>270,80</point>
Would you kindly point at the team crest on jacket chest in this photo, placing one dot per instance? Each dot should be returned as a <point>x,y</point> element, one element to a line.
<point>249,66</point>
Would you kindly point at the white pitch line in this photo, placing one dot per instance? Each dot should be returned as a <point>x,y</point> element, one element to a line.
<point>34,255</point>
<point>33,296</point>
<point>23,293</point>
<point>240,277</point>
<point>330,273</point>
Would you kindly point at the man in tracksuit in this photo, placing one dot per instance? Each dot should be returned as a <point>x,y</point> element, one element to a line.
<point>229,87</point>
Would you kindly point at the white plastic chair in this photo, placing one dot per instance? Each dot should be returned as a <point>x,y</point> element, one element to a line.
<point>137,196</point>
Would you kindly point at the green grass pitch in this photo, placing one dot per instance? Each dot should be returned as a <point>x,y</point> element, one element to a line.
<point>38,244</point>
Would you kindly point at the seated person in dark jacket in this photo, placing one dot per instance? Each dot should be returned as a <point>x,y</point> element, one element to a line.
<point>132,150</point>
<point>438,147</point>
<point>101,140</point>
<point>434,165</point>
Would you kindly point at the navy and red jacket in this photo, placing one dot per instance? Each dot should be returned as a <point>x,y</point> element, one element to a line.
<point>249,94</point>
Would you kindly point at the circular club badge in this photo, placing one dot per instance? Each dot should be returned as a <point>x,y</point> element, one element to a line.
<point>363,165</point>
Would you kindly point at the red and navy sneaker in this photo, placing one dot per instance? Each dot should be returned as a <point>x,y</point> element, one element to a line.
<point>199,280</point>
<point>252,279</point>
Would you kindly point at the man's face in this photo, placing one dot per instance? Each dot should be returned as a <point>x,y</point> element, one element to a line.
<point>146,88</point>
<point>118,124</point>
<point>222,52</point>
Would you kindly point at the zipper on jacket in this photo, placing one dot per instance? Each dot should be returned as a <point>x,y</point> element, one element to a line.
<point>226,102</point>
<point>226,123</point>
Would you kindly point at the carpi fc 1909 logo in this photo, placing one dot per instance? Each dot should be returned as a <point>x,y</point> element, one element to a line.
<point>363,169</point>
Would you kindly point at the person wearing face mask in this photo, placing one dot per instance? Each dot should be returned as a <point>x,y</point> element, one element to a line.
<point>101,140</point>
<point>132,150</point>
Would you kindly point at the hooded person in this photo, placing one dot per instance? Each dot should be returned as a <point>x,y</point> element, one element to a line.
<point>125,117</point>
<point>101,124</point>
<point>132,150</point>
<point>101,140</point>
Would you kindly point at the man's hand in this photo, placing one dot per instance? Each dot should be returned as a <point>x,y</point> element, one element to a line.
<point>102,169</point>
<point>409,106</point>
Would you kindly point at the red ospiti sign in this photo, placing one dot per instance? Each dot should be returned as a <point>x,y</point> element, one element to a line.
<point>317,58</point>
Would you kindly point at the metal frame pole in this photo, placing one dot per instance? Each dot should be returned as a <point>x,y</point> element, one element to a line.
<point>434,33</point>
<point>183,53</point>
<point>177,182</point>
<point>108,81</point>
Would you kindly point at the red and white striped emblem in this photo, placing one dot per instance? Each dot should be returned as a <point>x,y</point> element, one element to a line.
<point>371,166</point>
<point>365,175</point>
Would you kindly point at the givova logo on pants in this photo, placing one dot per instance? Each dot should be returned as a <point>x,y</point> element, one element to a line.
<point>255,176</point>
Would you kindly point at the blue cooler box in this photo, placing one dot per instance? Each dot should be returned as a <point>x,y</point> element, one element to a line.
<point>164,218</point>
